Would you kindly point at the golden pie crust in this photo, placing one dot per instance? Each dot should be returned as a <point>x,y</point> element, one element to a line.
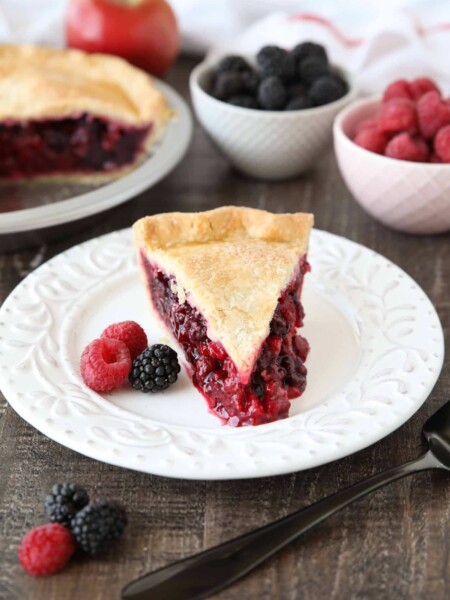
<point>232,264</point>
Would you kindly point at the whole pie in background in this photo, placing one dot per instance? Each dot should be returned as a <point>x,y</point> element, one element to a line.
<point>68,113</point>
<point>226,284</point>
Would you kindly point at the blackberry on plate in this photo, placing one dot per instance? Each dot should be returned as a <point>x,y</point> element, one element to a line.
<point>155,369</point>
<point>299,103</point>
<point>312,68</point>
<point>235,64</point>
<point>64,501</point>
<point>326,89</point>
<point>307,49</point>
<point>227,85</point>
<point>98,524</point>
<point>273,62</point>
<point>272,93</point>
<point>244,101</point>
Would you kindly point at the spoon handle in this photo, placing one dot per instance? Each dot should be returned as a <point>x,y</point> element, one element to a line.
<point>203,574</point>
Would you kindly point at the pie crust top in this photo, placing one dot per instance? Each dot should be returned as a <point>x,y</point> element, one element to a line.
<point>38,82</point>
<point>232,264</point>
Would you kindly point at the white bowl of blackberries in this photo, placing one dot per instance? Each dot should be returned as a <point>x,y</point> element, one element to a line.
<point>271,115</point>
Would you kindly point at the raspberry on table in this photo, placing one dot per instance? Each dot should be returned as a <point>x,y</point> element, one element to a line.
<point>155,369</point>
<point>299,103</point>
<point>398,89</point>
<point>442,144</point>
<point>130,333</point>
<point>312,68</point>
<point>421,86</point>
<point>105,364</point>
<point>64,501</point>
<point>97,525</point>
<point>232,63</point>
<point>272,93</point>
<point>46,549</point>
<point>326,89</point>
<point>406,147</point>
<point>397,115</point>
<point>433,113</point>
<point>372,139</point>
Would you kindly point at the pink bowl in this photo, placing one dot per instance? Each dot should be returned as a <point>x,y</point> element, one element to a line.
<point>408,196</point>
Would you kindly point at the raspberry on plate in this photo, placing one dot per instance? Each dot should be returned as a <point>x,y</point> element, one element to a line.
<point>442,144</point>
<point>105,364</point>
<point>46,549</point>
<point>130,333</point>
<point>372,140</point>
<point>421,86</point>
<point>406,147</point>
<point>433,113</point>
<point>397,89</point>
<point>397,115</point>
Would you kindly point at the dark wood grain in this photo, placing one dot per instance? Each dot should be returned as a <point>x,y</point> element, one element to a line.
<point>394,544</point>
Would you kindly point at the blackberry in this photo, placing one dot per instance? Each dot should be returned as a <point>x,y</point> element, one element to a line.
<point>295,90</point>
<point>98,524</point>
<point>234,64</point>
<point>312,68</point>
<point>299,103</point>
<point>155,369</point>
<point>244,101</point>
<point>227,85</point>
<point>307,49</point>
<point>326,89</point>
<point>274,62</point>
<point>250,82</point>
<point>64,501</point>
<point>272,93</point>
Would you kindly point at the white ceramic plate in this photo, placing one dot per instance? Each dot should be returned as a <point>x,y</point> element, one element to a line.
<point>377,350</point>
<point>29,206</point>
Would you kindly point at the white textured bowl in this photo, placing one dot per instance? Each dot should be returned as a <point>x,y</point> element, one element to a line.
<point>407,196</point>
<point>265,144</point>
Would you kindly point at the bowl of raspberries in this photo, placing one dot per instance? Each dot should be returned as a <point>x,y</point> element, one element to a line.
<point>394,155</point>
<point>271,115</point>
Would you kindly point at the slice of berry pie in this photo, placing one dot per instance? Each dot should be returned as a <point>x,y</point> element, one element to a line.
<point>226,284</point>
<point>68,113</point>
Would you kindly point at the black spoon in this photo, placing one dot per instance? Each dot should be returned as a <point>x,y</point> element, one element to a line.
<point>203,574</point>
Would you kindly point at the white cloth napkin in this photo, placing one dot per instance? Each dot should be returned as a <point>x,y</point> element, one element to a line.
<point>377,40</point>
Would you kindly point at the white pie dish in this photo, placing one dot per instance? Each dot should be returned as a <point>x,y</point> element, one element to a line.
<point>377,350</point>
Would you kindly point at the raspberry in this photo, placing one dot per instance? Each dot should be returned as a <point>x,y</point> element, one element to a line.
<point>130,333</point>
<point>397,89</point>
<point>64,501</point>
<point>433,113</point>
<point>272,93</point>
<point>105,364</point>
<point>435,159</point>
<point>397,115</point>
<point>98,524</point>
<point>406,147</point>
<point>372,140</point>
<point>421,86</point>
<point>46,549</point>
<point>442,144</point>
<point>366,124</point>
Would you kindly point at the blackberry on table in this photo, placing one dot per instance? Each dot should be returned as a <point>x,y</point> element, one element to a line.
<point>273,61</point>
<point>299,103</point>
<point>155,369</point>
<point>235,64</point>
<point>272,93</point>
<point>326,89</point>
<point>64,501</point>
<point>312,68</point>
<point>227,85</point>
<point>244,101</point>
<point>307,49</point>
<point>98,524</point>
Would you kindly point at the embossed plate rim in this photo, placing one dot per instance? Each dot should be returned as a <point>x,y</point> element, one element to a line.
<point>166,154</point>
<point>396,320</point>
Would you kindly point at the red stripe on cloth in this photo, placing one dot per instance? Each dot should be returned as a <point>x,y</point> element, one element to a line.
<point>309,17</point>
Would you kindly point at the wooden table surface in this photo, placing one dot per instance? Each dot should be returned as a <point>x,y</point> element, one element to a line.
<point>393,544</point>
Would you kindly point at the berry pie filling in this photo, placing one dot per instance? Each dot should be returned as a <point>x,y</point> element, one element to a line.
<point>278,374</point>
<point>82,144</point>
